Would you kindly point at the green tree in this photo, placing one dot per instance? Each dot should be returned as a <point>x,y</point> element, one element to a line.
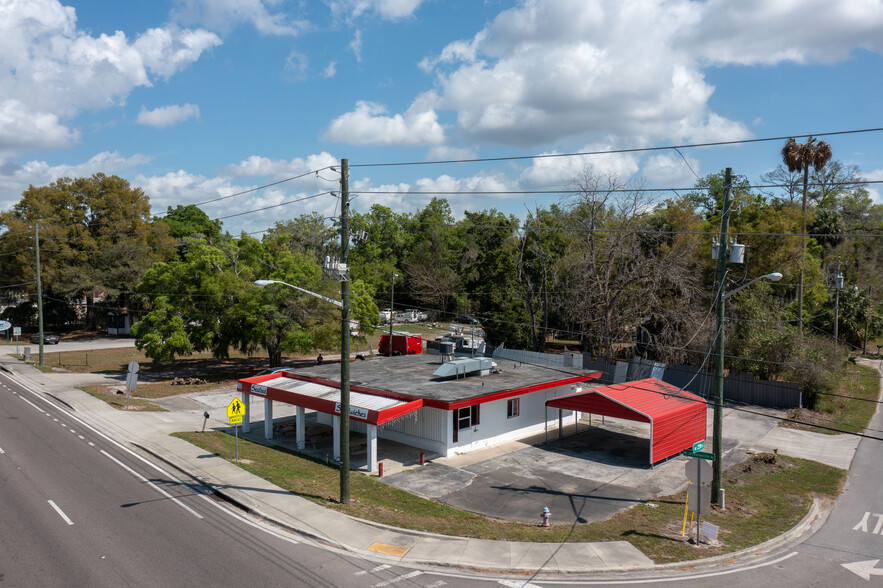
<point>96,237</point>
<point>190,222</point>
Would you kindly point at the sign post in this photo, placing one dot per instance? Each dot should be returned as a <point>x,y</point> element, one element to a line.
<point>698,471</point>
<point>17,332</point>
<point>235,411</point>
<point>131,380</point>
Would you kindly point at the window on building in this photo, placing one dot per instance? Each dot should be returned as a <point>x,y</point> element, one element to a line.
<point>513,407</point>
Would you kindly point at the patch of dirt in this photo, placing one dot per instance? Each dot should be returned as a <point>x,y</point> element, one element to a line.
<point>804,416</point>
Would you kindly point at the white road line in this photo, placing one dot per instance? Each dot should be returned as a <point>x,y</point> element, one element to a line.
<point>34,405</point>
<point>60,512</point>
<point>518,584</point>
<point>372,571</point>
<point>81,437</point>
<point>1,450</point>
<point>94,430</point>
<point>154,486</point>
<point>256,525</point>
<point>407,576</point>
<point>437,584</point>
<point>91,444</point>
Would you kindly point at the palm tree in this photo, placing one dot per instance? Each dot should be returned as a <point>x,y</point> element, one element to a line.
<point>799,157</point>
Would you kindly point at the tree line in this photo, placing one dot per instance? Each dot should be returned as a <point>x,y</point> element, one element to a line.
<point>608,267</point>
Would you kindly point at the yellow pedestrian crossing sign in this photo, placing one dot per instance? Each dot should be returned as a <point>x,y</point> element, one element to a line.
<point>235,411</point>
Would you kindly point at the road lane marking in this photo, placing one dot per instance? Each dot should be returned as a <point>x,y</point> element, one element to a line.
<point>373,570</point>
<point>862,525</point>
<point>60,512</point>
<point>1,450</point>
<point>34,405</point>
<point>407,576</point>
<point>81,437</point>
<point>154,486</point>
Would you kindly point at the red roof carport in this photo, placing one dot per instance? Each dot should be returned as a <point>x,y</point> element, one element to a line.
<point>677,418</point>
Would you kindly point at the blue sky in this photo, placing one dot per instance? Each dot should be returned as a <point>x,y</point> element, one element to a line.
<point>195,99</point>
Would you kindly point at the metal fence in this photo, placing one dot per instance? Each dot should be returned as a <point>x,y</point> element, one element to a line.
<point>739,387</point>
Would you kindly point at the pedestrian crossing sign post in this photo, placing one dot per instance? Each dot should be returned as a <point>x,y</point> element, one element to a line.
<point>235,411</point>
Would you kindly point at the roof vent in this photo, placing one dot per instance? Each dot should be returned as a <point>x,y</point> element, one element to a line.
<point>467,366</point>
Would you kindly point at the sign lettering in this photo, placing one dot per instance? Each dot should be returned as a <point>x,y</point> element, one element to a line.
<point>355,411</point>
<point>259,389</point>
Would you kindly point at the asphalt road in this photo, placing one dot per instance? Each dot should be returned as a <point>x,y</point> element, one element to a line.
<point>77,509</point>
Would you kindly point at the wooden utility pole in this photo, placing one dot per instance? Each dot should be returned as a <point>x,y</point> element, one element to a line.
<point>345,334</point>
<point>39,291</point>
<point>718,426</point>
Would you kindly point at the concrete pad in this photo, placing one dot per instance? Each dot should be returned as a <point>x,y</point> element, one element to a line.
<point>431,481</point>
<point>444,551</point>
<point>833,450</point>
<point>577,556</point>
<point>620,554</point>
<point>484,553</point>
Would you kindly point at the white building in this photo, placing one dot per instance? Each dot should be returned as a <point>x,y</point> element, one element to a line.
<point>408,400</point>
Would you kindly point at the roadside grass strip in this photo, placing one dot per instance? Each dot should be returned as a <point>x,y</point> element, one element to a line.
<point>767,494</point>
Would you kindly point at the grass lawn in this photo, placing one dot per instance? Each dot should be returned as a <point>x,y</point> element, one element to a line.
<point>150,390</point>
<point>850,411</point>
<point>766,495</point>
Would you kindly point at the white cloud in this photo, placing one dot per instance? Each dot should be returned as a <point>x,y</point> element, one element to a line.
<point>257,166</point>
<point>389,9</point>
<point>166,51</point>
<point>368,124</point>
<point>296,66</point>
<point>447,153</point>
<point>15,178</point>
<point>22,128</point>
<point>356,45</point>
<point>548,70</point>
<point>167,115</point>
<point>50,70</point>
<point>223,15</point>
<point>874,189</point>
<point>330,70</point>
<point>556,172</point>
<point>671,171</point>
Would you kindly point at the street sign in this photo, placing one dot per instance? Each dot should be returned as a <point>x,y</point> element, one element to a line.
<point>699,454</point>
<point>131,380</point>
<point>235,411</point>
<point>699,445</point>
<point>698,471</point>
<point>16,331</point>
<point>699,500</point>
<point>5,325</point>
<point>134,367</point>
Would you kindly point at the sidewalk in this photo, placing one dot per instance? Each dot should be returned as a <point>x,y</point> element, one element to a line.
<point>150,431</point>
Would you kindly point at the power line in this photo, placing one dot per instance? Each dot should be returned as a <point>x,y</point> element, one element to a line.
<point>615,151</point>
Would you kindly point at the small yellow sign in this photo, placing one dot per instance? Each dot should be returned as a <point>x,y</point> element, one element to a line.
<point>235,410</point>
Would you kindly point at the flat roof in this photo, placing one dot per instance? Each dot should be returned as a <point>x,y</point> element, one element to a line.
<point>412,375</point>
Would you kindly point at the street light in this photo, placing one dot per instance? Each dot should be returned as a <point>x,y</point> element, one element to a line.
<point>717,430</point>
<point>344,383</point>
<point>392,292</point>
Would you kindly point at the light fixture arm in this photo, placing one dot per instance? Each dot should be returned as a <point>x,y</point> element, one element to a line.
<point>262,283</point>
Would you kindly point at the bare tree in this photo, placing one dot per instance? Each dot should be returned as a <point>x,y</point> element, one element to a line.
<point>619,275</point>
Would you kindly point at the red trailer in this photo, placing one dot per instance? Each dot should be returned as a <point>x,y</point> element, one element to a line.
<point>402,344</point>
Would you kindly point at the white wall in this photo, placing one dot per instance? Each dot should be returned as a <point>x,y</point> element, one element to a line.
<point>495,427</point>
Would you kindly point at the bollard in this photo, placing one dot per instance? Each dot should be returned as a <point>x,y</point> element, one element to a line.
<point>722,497</point>
<point>380,470</point>
<point>422,458</point>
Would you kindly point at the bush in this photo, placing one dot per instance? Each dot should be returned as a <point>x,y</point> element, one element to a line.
<point>813,364</point>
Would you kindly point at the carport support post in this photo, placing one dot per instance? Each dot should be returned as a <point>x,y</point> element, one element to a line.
<point>268,418</point>
<point>718,426</point>
<point>371,434</point>
<point>299,427</point>
<point>246,418</point>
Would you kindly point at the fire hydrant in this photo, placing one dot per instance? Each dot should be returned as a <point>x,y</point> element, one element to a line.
<point>546,516</point>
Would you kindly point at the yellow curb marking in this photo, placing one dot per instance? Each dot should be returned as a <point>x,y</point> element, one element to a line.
<point>389,549</point>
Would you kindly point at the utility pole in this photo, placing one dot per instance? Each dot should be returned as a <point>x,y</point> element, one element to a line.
<point>718,426</point>
<point>838,284</point>
<point>392,294</point>
<point>345,334</point>
<point>39,291</point>
<point>867,322</point>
